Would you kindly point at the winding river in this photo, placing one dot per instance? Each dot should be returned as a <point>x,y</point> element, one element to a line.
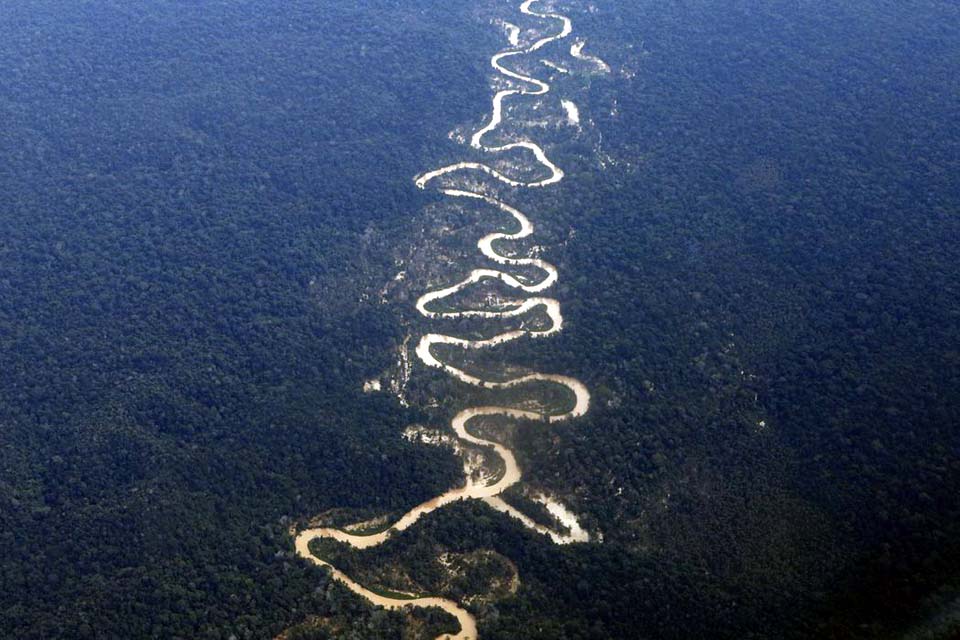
<point>483,489</point>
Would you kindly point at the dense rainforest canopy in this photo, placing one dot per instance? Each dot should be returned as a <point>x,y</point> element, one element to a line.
<point>758,236</point>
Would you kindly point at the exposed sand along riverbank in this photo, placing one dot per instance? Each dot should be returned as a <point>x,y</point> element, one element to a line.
<point>578,393</point>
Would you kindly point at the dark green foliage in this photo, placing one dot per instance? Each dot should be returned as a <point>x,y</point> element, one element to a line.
<point>185,193</point>
<point>200,204</point>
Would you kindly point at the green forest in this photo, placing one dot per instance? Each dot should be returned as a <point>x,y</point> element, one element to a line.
<point>759,247</point>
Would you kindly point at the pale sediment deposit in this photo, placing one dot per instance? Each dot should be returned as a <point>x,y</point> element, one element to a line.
<point>576,50</point>
<point>573,113</point>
